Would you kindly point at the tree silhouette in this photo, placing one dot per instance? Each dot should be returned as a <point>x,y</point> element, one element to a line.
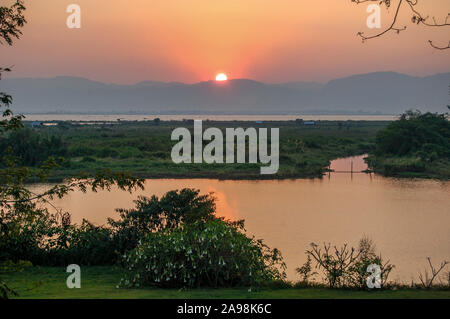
<point>11,20</point>
<point>416,17</point>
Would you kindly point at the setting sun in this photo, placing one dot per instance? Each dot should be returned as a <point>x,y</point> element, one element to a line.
<point>221,77</point>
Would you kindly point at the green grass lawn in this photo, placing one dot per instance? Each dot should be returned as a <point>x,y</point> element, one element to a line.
<point>101,282</point>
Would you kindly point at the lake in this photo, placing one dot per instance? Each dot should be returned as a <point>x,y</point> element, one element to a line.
<point>408,220</point>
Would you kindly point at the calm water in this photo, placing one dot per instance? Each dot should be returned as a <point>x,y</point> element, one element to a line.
<point>408,219</point>
<point>113,118</point>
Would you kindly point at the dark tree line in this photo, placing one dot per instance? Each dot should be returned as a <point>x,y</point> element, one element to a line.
<point>415,134</point>
<point>30,148</point>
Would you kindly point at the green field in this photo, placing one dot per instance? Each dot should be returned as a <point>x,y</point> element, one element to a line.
<point>101,282</point>
<point>305,151</point>
<point>143,148</point>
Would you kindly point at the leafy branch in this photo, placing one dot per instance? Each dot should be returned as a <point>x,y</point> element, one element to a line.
<point>11,20</point>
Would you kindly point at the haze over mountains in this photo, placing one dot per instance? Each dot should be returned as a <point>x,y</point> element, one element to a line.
<point>380,92</point>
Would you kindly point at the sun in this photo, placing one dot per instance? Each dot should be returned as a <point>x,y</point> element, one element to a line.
<point>221,77</point>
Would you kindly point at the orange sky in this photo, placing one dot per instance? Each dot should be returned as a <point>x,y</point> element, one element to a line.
<point>192,40</point>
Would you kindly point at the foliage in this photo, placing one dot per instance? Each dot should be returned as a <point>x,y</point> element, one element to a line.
<point>176,207</point>
<point>31,148</point>
<point>346,266</point>
<point>26,229</point>
<point>12,19</point>
<point>415,144</point>
<point>33,233</point>
<point>357,274</point>
<point>306,272</point>
<point>144,148</point>
<point>211,254</point>
<point>425,135</point>
<point>50,239</point>
<point>23,231</point>
<point>86,244</point>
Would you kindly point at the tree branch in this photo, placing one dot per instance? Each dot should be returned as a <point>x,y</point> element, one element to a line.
<point>417,18</point>
<point>390,28</point>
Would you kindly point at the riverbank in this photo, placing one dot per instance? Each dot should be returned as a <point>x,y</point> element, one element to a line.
<point>101,282</point>
<point>144,148</point>
<point>410,167</point>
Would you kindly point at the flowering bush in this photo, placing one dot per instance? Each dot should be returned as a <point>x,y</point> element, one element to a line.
<point>211,254</point>
<point>152,214</point>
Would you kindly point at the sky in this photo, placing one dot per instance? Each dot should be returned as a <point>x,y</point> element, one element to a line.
<point>273,41</point>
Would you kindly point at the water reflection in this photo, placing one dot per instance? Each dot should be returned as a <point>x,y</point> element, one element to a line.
<point>408,219</point>
<point>349,164</point>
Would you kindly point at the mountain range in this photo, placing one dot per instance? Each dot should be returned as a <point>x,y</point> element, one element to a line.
<point>372,93</point>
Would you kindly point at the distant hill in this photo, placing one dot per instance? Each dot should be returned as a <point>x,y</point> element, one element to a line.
<point>381,92</point>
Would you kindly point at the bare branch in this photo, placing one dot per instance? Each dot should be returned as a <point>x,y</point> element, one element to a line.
<point>425,279</point>
<point>390,28</point>
<point>417,18</point>
<point>439,47</point>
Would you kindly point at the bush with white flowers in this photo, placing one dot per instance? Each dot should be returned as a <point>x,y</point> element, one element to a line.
<point>211,254</point>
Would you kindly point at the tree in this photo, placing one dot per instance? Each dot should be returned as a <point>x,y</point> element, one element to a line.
<point>15,198</point>
<point>175,209</point>
<point>11,20</point>
<point>417,17</point>
<point>426,136</point>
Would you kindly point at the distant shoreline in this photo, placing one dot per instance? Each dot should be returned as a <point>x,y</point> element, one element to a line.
<point>212,117</point>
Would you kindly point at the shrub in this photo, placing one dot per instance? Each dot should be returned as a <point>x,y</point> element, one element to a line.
<point>24,233</point>
<point>211,254</point>
<point>333,261</point>
<point>155,214</point>
<point>51,239</point>
<point>346,266</point>
<point>306,272</point>
<point>357,274</point>
<point>396,165</point>
<point>84,244</point>
<point>27,232</point>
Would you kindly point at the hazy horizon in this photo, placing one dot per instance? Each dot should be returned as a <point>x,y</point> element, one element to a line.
<point>271,41</point>
<point>356,94</point>
<point>11,76</point>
